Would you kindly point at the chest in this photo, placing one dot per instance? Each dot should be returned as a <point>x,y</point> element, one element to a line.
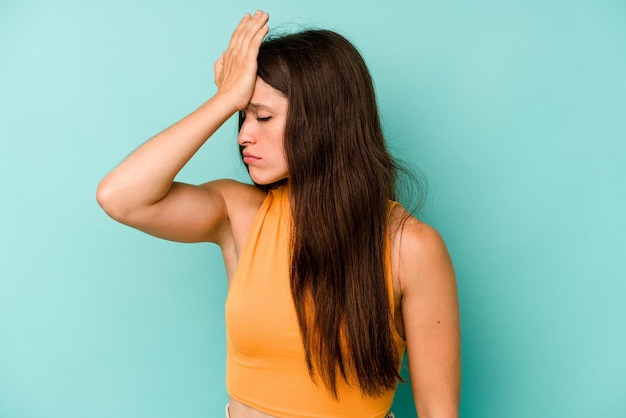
<point>260,315</point>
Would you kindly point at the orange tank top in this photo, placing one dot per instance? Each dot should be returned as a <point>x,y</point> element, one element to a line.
<point>266,367</point>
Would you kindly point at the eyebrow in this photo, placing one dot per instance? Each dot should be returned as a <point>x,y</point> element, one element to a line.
<point>259,106</point>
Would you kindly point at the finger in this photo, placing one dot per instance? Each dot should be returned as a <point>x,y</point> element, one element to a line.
<point>257,39</point>
<point>247,29</point>
<point>254,36</point>
<point>258,23</point>
<point>235,36</point>
<point>247,24</point>
<point>217,68</point>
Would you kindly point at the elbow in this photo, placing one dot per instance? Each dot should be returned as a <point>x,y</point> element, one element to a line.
<point>439,413</point>
<point>110,202</point>
<point>438,409</point>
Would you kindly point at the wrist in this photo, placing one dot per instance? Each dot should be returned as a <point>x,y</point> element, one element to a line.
<point>228,102</point>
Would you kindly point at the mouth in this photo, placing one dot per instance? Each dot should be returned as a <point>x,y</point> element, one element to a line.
<point>249,158</point>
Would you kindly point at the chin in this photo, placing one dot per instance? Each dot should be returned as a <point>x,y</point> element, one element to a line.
<point>267,184</point>
<point>266,180</point>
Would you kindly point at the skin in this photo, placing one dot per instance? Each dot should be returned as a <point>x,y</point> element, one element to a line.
<point>261,134</point>
<point>141,192</point>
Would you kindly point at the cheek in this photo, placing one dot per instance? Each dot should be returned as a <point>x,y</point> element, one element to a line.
<point>278,141</point>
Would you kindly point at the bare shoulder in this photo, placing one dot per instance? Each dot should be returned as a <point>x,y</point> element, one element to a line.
<point>237,196</point>
<point>421,252</point>
<point>242,202</point>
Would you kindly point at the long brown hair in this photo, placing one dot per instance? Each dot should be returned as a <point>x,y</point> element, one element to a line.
<point>341,179</point>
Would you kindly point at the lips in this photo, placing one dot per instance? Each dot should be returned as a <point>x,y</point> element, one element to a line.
<point>249,158</point>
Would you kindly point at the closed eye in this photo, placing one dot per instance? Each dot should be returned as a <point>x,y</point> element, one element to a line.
<point>242,115</point>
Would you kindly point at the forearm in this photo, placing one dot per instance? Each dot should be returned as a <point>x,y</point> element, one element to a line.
<point>146,175</point>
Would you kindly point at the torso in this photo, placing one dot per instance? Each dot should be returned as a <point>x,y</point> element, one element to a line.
<point>243,203</point>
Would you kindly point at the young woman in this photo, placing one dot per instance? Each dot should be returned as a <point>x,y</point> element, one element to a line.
<point>330,280</point>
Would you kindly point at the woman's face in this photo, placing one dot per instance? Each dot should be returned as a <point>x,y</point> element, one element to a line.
<point>261,134</point>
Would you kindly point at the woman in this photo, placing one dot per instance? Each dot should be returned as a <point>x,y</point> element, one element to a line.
<point>329,279</point>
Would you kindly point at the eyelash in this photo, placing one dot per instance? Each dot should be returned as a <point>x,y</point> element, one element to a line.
<point>266,119</point>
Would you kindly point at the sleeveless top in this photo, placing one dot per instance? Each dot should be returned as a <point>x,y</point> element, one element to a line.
<point>266,367</point>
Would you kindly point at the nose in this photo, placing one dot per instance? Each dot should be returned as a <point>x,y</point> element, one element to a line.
<point>247,134</point>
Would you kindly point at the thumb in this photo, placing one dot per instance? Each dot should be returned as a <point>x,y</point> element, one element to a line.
<point>217,69</point>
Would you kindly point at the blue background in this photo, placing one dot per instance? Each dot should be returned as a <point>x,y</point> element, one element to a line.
<point>514,110</point>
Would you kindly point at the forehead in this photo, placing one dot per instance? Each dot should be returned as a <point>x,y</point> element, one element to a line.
<point>266,97</point>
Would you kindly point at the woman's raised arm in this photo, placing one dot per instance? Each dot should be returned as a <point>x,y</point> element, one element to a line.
<point>141,192</point>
